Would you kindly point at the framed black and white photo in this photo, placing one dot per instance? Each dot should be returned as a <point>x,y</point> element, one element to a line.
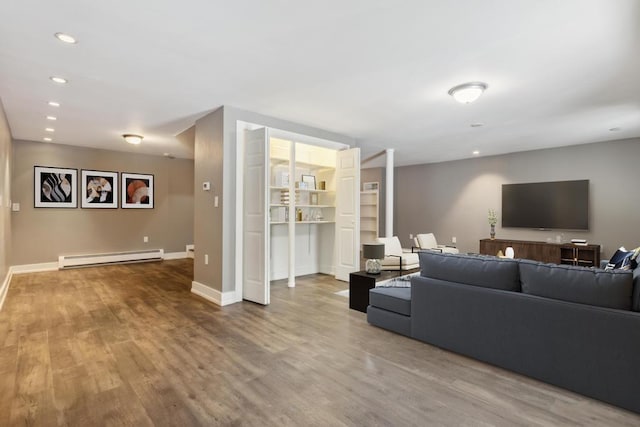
<point>99,189</point>
<point>310,181</point>
<point>137,191</point>
<point>55,187</point>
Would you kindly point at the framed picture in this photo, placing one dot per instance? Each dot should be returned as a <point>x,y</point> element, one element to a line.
<point>55,187</point>
<point>137,191</point>
<point>310,180</point>
<point>99,189</point>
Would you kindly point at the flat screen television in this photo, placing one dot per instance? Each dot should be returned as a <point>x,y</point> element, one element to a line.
<point>559,204</point>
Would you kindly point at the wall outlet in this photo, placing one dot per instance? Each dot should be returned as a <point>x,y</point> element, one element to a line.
<point>206,259</point>
<point>15,207</point>
<point>145,239</point>
<point>410,236</point>
<point>454,240</point>
<point>215,202</point>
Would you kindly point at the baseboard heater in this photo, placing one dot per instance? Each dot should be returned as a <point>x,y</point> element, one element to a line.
<point>89,260</point>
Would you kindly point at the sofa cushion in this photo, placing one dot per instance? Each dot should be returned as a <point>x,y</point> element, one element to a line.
<point>397,300</point>
<point>612,289</point>
<point>635,301</point>
<point>488,272</point>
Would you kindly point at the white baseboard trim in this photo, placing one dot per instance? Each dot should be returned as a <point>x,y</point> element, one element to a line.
<point>174,255</point>
<point>4,288</point>
<point>213,295</point>
<point>34,268</point>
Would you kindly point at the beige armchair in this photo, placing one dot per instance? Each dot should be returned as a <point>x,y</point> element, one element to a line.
<point>428,242</point>
<point>396,258</point>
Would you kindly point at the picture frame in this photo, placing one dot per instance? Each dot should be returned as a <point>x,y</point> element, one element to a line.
<point>98,189</point>
<point>136,191</point>
<point>310,180</point>
<point>55,187</point>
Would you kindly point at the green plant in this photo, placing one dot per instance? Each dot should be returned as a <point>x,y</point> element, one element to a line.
<point>492,217</point>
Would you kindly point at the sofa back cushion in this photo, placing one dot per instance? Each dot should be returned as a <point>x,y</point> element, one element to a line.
<point>612,289</point>
<point>635,302</point>
<point>485,271</point>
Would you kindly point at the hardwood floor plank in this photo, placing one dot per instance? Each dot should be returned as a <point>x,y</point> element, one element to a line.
<point>130,345</point>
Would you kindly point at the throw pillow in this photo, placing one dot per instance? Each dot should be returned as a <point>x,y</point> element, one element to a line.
<point>623,259</point>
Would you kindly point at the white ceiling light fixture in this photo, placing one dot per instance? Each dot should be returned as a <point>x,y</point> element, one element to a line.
<point>47,139</point>
<point>53,103</point>
<point>466,93</point>
<point>133,138</point>
<point>52,118</point>
<point>49,129</point>
<point>66,38</point>
<point>476,152</point>
<point>60,80</point>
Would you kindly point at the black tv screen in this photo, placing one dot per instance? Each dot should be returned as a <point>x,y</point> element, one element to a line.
<point>560,204</point>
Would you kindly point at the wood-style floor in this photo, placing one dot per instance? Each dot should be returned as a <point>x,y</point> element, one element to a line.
<point>130,345</point>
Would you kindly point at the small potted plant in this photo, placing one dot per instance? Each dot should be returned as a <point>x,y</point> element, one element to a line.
<point>492,217</point>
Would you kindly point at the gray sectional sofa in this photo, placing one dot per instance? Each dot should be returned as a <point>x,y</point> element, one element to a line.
<point>574,327</point>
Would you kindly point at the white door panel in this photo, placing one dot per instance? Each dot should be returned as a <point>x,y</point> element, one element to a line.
<point>347,213</point>
<point>255,265</point>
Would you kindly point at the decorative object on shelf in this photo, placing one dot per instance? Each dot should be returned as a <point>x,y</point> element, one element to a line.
<point>137,191</point>
<point>301,185</point>
<point>299,215</point>
<point>373,253</point>
<point>55,187</point>
<point>322,185</point>
<point>509,252</point>
<point>310,180</point>
<point>99,189</point>
<point>282,179</point>
<point>369,186</point>
<point>492,217</point>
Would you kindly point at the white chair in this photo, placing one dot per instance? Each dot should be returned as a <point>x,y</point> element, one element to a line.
<point>428,242</point>
<point>396,258</point>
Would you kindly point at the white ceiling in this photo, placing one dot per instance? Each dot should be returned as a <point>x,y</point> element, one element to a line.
<point>559,72</point>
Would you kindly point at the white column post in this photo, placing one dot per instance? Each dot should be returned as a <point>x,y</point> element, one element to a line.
<point>292,215</point>
<point>388,229</point>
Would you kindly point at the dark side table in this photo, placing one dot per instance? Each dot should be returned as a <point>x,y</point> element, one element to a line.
<point>360,282</point>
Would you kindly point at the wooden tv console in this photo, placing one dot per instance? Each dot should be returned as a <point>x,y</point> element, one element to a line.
<point>556,253</point>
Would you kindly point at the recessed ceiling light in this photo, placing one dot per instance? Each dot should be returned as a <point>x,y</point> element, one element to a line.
<point>58,79</point>
<point>50,129</point>
<point>66,38</point>
<point>468,92</point>
<point>53,103</point>
<point>133,138</point>
<point>616,129</point>
<point>47,139</point>
<point>52,118</point>
<point>476,125</point>
<point>476,152</point>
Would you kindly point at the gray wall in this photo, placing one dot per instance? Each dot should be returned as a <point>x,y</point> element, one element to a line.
<point>452,198</point>
<point>41,235</point>
<point>5,195</point>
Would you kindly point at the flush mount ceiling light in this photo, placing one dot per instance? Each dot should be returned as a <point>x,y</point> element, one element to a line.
<point>49,129</point>
<point>466,93</point>
<point>52,118</point>
<point>58,79</point>
<point>476,152</point>
<point>66,38</point>
<point>47,139</point>
<point>53,103</point>
<point>132,138</point>
<point>616,129</point>
<point>476,125</point>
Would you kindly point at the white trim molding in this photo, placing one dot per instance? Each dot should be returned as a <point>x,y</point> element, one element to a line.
<point>175,255</point>
<point>213,295</point>
<point>4,288</point>
<point>34,268</point>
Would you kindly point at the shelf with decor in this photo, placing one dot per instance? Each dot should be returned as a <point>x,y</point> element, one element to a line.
<point>369,212</point>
